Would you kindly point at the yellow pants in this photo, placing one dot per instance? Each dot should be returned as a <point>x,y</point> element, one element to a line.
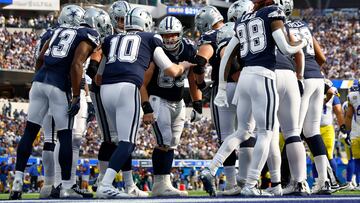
<point>328,135</point>
<point>355,146</point>
<point>347,149</point>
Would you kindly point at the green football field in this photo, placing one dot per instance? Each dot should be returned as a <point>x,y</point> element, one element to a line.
<point>191,193</point>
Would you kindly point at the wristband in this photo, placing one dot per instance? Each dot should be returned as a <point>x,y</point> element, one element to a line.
<point>146,106</point>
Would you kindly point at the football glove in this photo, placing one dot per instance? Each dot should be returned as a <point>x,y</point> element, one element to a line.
<point>90,111</point>
<point>196,113</point>
<point>74,106</point>
<point>348,140</point>
<point>301,87</point>
<point>221,96</point>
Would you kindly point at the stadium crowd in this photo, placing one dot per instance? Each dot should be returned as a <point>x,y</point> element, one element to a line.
<point>337,33</point>
<point>198,141</point>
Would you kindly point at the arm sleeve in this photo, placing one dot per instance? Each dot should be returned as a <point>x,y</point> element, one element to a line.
<point>226,57</point>
<point>283,45</point>
<point>161,59</point>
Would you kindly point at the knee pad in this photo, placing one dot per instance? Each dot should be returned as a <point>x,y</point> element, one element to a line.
<point>316,145</point>
<point>106,150</point>
<point>248,143</point>
<point>49,146</point>
<point>292,139</point>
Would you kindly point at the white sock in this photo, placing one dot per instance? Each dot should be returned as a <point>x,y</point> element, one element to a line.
<point>67,184</point>
<point>128,178</point>
<point>296,156</point>
<point>230,173</point>
<point>76,142</point>
<point>274,159</point>
<point>19,175</point>
<point>244,156</point>
<point>321,166</point>
<point>57,165</point>
<point>260,155</point>
<point>49,167</point>
<point>227,147</point>
<point>109,176</point>
<point>103,165</point>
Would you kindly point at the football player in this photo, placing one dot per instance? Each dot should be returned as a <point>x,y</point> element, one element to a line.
<point>310,115</point>
<point>288,115</point>
<point>164,107</point>
<point>258,33</point>
<point>59,71</point>
<point>117,12</point>
<point>123,76</point>
<point>352,138</point>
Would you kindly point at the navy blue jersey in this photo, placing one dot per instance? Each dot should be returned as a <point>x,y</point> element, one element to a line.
<point>128,56</point>
<point>60,54</point>
<point>167,87</point>
<point>312,68</point>
<point>41,42</point>
<point>284,62</point>
<point>235,66</point>
<point>209,37</point>
<point>257,46</point>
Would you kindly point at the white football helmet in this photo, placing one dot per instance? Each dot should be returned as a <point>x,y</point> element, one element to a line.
<point>206,17</point>
<point>239,8</point>
<point>118,10</point>
<point>171,25</point>
<point>226,31</point>
<point>99,20</point>
<point>138,19</point>
<point>286,5</point>
<point>71,15</point>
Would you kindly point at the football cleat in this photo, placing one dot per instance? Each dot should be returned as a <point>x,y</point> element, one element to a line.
<point>45,191</point>
<point>110,192</point>
<point>135,191</point>
<point>208,181</point>
<point>254,191</point>
<point>16,191</point>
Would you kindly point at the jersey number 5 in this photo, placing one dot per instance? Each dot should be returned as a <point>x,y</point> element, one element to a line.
<point>251,36</point>
<point>127,51</point>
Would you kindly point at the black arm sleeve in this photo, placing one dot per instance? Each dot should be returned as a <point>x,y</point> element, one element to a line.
<point>92,69</point>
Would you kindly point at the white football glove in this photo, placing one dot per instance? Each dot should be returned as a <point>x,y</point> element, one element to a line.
<point>221,96</point>
<point>195,116</point>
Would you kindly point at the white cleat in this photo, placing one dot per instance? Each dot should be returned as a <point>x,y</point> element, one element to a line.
<point>297,188</point>
<point>322,187</point>
<point>16,190</point>
<point>135,191</point>
<point>69,194</point>
<point>164,189</point>
<point>45,191</point>
<point>276,191</point>
<point>254,191</point>
<point>234,191</point>
<point>350,186</point>
<point>110,192</point>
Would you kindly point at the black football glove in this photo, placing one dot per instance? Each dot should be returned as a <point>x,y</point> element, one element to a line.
<point>90,111</point>
<point>74,106</point>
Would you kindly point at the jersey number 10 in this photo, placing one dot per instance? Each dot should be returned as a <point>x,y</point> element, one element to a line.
<point>127,51</point>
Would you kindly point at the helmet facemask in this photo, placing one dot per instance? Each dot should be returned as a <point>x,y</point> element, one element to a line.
<point>171,41</point>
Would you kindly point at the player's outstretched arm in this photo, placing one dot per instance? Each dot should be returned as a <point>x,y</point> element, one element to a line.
<point>164,63</point>
<point>339,114</point>
<point>281,40</point>
<point>319,54</point>
<point>82,52</point>
<point>148,117</point>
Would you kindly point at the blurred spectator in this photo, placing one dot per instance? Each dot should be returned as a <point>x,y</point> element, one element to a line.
<point>2,20</point>
<point>85,174</point>
<point>34,174</point>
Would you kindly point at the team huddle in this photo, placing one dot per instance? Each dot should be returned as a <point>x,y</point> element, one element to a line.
<point>265,77</point>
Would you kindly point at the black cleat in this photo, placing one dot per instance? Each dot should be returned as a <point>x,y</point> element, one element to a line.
<point>208,182</point>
